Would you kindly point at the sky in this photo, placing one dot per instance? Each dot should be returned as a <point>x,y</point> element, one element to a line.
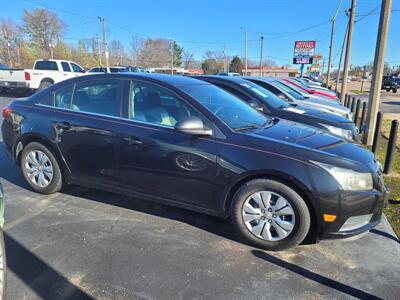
<point>201,25</point>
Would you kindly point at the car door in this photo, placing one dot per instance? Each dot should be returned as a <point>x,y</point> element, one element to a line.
<point>85,122</point>
<point>156,160</point>
<point>66,68</point>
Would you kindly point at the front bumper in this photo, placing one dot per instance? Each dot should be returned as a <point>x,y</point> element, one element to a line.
<point>356,204</point>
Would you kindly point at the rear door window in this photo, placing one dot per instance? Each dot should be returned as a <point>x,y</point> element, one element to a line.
<point>77,68</point>
<point>66,67</point>
<point>46,65</point>
<point>97,96</point>
<point>63,97</point>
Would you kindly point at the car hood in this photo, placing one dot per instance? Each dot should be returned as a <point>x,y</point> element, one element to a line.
<point>317,113</point>
<point>309,137</point>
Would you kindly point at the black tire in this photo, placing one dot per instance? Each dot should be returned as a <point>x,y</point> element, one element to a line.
<point>302,214</point>
<point>56,182</point>
<point>45,84</point>
<point>387,90</point>
<point>394,91</point>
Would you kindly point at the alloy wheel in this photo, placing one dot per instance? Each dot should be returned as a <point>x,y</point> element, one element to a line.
<point>268,216</point>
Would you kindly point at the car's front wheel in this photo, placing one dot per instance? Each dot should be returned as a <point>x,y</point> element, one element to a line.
<point>270,214</point>
<point>40,169</point>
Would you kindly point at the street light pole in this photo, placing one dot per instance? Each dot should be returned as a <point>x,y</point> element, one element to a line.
<point>103,22</point>
<point>261,54</point>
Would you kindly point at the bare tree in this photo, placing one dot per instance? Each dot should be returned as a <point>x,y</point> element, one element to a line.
<point>136,44</point>
<point>155,53</point>
<point>10,43</point>
<point>43,27</point>
<point>188,60</point>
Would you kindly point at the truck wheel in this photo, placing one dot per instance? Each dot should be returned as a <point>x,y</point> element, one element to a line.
<point>45,84</point>
<point>270,214</point>
<point>394,91</point>
<point>387,90</point>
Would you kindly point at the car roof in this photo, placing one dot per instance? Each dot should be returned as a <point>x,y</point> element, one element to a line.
<point>233,79</point>
<point>174,80</point>
<point>266,79</point>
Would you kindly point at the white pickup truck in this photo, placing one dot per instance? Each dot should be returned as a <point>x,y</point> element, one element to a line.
<point>44,74</point>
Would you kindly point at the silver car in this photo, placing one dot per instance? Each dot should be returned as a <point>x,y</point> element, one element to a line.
<point>292,94</point>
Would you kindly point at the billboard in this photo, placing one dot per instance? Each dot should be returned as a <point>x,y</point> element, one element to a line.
<point>303,52</point>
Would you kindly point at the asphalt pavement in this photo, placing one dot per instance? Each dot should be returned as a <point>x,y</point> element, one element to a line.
<point>83,243</point>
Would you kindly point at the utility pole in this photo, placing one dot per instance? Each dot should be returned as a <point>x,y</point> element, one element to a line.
<point>341,57</point>
<point>98,48</point>
<point>348,49</point>
<point>261,53</point>
<point>225,61</point>
<point>172,56</point>
<point>377,73</point>
<point>9,53</point>
<point>331,44</point>
<point>103,21</point>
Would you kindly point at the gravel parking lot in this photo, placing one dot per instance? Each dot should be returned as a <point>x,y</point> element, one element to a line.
<point>85,243</point>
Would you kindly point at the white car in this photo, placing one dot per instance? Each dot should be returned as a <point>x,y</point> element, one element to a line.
<point>108,70</point>
<point>43,74</point>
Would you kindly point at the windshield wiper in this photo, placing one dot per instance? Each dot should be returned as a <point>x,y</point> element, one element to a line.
<point>247,127</point>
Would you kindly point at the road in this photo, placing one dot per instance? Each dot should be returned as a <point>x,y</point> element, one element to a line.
<point>84,244</point>
<point>390,102</point>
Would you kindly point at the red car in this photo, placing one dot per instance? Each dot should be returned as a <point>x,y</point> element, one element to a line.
<point>310,91</point>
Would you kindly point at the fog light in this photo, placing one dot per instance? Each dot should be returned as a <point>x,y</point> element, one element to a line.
<point>355,222</point>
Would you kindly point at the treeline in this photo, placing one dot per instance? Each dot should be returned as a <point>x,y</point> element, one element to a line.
<point>41,34</point>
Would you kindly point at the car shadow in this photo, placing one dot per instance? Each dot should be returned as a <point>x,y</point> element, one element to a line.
<point>41,278</point>
<point>392,102</point>
<point>341,287</point>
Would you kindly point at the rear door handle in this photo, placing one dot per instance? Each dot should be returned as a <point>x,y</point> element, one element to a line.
<point>130,140</point>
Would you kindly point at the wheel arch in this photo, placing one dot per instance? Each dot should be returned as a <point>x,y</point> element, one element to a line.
<point>288,180</point>
<point>48,79</point>
<point>32,137</point>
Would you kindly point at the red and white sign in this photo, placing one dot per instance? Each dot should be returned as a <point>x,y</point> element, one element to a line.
<point>303,51</point>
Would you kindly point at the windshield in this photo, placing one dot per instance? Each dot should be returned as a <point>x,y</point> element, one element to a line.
<point>268,97</point>
<point>288,90</point>
<point>231,110</point>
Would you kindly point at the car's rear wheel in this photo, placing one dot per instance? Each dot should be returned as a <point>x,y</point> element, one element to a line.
<point>40,169</point>
<point>270,214</point>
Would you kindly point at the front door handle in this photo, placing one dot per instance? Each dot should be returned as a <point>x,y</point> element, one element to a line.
<point>130,140</point>
<point>63,125</point>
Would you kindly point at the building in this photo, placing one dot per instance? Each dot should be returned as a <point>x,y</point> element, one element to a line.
<point>271,71</point>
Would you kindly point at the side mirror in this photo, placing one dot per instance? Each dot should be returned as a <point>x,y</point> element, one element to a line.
<point>192,125</point>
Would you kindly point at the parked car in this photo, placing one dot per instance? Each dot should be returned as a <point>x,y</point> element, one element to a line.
<point>289,95</point>
<point>312,91</point>
<point>4,67</point>
<point>266,102</point>
<point>187,143</point>
<point>136,69</point>
<point>314,87</point>
<point>390,83</point>
<point>108,70</point>
<point>3,264</point>
<point>43,74</point>
<point>314,80</point>
<point>228,74</point>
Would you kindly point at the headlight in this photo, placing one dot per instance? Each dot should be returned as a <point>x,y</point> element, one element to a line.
<point>348,179</point>
<point>347,134</point>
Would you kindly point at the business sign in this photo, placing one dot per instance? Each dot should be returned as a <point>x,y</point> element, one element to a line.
<point>303,52</point>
